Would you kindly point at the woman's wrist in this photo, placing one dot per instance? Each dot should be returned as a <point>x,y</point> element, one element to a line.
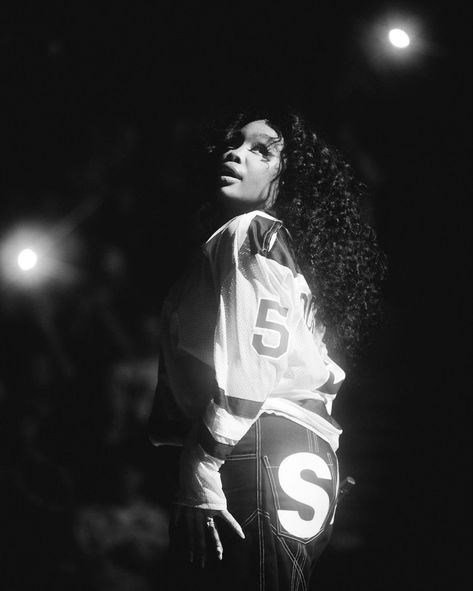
<point>200,484</point>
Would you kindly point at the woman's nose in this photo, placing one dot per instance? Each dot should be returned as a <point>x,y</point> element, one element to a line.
<point>233,155</point>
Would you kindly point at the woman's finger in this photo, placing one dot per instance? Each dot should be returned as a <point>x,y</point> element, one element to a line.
<point>213,532</point>
<point>228,517</point>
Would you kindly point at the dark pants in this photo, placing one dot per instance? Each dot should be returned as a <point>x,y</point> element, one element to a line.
<point>281,485</point>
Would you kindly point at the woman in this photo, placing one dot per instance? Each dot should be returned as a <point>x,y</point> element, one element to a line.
<point>246,383</point>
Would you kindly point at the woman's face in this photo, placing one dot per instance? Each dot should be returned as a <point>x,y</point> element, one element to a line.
<point>250,166</point>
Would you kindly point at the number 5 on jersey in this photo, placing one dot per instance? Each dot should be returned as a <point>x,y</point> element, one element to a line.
<point>271,319</point>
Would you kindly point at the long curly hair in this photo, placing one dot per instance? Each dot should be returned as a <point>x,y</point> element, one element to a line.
<point>319,201</point>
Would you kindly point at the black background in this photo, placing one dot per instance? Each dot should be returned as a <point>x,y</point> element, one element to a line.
<point>100,109</point>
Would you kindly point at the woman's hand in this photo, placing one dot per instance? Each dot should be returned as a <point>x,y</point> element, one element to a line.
<point>200,530</point>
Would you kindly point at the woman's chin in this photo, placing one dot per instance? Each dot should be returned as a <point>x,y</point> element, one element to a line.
<point>230,192</point>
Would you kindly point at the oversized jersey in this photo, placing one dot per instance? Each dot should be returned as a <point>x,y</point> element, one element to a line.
<point>239,337</point>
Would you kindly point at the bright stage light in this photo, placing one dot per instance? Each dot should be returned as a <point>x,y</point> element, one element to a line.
<point>399,38</point>
<point>27,259</point>
<point>36,254</point>
<point>395,42</point>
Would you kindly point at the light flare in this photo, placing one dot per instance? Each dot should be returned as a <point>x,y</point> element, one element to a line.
<point>399,38</point>
<point>27,259</point>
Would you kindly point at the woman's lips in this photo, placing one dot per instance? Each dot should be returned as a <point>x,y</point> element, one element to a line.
<point>228,180</point>
<point>228,171</point>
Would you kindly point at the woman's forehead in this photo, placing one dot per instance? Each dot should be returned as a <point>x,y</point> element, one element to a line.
<point>259,128</point>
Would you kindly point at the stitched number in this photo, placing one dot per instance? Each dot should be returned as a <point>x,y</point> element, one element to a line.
<point>262,321</point>
<point>305,492</point>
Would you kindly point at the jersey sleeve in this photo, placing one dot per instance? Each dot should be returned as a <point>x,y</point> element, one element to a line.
<point>251,344</point>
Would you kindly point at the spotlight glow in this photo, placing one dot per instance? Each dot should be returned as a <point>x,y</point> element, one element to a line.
<point>36,254</point>
<point>27,259</point>
<point>399,38</point>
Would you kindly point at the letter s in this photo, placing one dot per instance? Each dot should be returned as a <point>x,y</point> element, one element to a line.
<point>305,492</point>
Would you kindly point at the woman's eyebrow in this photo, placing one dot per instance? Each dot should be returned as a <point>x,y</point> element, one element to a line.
<point>264,136</point>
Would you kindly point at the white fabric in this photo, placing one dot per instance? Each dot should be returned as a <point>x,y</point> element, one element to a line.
<point>200,485</point>
<point>246,321</point>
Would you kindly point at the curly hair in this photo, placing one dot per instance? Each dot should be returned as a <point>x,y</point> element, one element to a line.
<point>319,202</point>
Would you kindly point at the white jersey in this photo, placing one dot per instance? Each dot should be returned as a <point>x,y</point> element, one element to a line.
<point>239,338</point>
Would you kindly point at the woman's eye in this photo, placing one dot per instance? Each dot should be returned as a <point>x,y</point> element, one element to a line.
<point>261,148</point>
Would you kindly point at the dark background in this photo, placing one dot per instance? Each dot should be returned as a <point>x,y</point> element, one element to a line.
<point>99,127</point>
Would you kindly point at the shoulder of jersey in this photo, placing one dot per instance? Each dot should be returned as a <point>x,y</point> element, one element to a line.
<point>254,233</point>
